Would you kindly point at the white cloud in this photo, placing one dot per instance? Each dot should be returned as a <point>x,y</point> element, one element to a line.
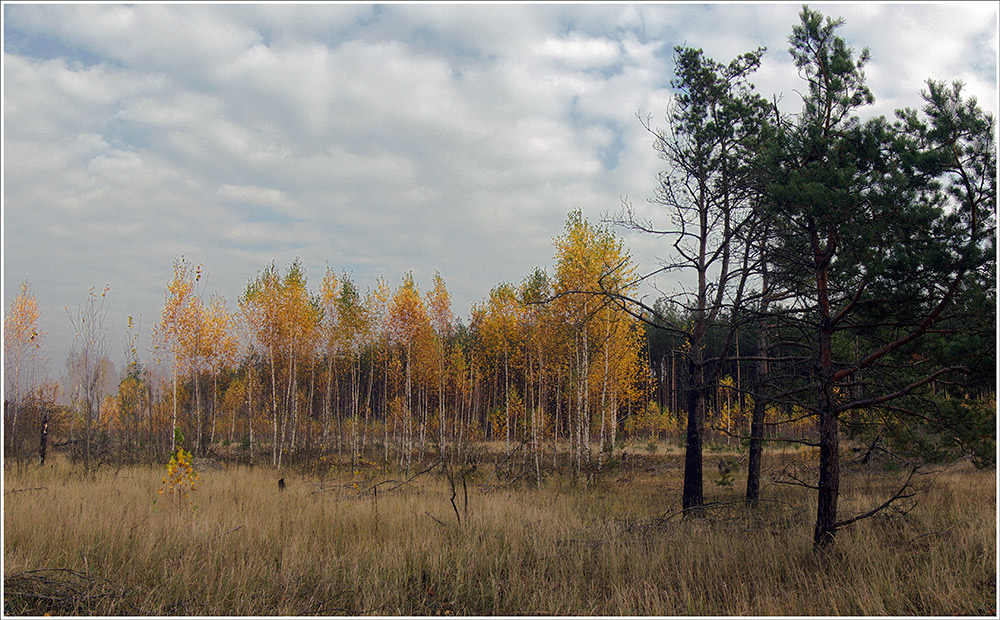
<point>580,52</point>
<point>253,195</point>
<point>376,139</point>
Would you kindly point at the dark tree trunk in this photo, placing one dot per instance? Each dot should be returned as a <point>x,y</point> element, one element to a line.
<point>756,451</point>
<point>43,445</point>
<point>829,444</point>
<point>8,424</point>
<point>693,494</point>
<point>829,479</point>
<point>759,415</point>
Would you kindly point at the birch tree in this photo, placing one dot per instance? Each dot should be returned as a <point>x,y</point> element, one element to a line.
<point>594,275</point>
<point>407,322</point>
<point>22,337</point>
<point>179,327</point>
<point>441,319</point>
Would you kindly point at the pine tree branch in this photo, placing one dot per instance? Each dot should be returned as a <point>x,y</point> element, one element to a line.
<point>869,402</point>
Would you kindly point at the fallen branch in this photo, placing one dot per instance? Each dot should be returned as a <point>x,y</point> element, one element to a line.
<point>27,489</point>
<point>227,532</point>
<point>361,492</point>
<point>408,480</point>
<point>62,591</point>
<point>932,533</point>
<point>690,509</point>
<point>316,610</point>
<point>333,487</point>
<point>320,609</point>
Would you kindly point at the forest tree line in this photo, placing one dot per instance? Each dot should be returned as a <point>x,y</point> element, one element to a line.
<point>386,373</point>
<point>390,372</point>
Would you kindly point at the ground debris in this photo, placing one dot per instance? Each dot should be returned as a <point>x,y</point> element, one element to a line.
<point>61,591</point>
<point>11,492</point>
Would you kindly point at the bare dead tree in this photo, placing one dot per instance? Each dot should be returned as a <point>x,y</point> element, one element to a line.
<point>90,344</point>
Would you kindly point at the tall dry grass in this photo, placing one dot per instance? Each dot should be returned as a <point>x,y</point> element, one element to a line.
<point>239,546</point>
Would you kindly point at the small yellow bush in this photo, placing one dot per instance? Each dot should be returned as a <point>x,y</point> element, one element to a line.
<point>181,475</point>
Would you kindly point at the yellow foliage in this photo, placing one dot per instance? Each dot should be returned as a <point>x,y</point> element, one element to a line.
<point>20,326</point>
<point>652,422</point>
<point>497,419</point>
<point>22,342</point>
<point>181,475</point>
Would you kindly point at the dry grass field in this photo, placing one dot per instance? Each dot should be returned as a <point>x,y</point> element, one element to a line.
<point>112,545</point>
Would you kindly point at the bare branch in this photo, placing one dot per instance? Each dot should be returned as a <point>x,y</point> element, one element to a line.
<point>898,495</point>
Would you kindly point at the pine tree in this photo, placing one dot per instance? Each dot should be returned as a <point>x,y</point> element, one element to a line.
<point>711,191</point>
<point>866,294</point>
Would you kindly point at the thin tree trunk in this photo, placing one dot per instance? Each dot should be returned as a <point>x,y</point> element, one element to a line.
<point>555,427</point>
<point>355,396</point>
<point>293,401</point>
<point>506,405</point>
<point>604,386</point>
<point>232,424</point>
<point>539,418</point>
<point>409,411</point>
<point>44,439</point>
<point>173,419</point>
<point>250,413</point>
<point>675,392</point>
<point>441,397</point>
<point>311,412</point>
<point>274,409</point>
<point>423,418</point>
<point>340,411</point>
<point>215,398</point>
<point>614,416</point>
<point>586,397</point>
<point>197,411</point>
<point>760,402</point>
<point>581,387</point>
<point>385,409</point>
<point>327,400</point>
<point>368,403</point>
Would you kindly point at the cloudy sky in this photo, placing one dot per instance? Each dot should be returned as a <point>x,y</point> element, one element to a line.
<point>374,139</point>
